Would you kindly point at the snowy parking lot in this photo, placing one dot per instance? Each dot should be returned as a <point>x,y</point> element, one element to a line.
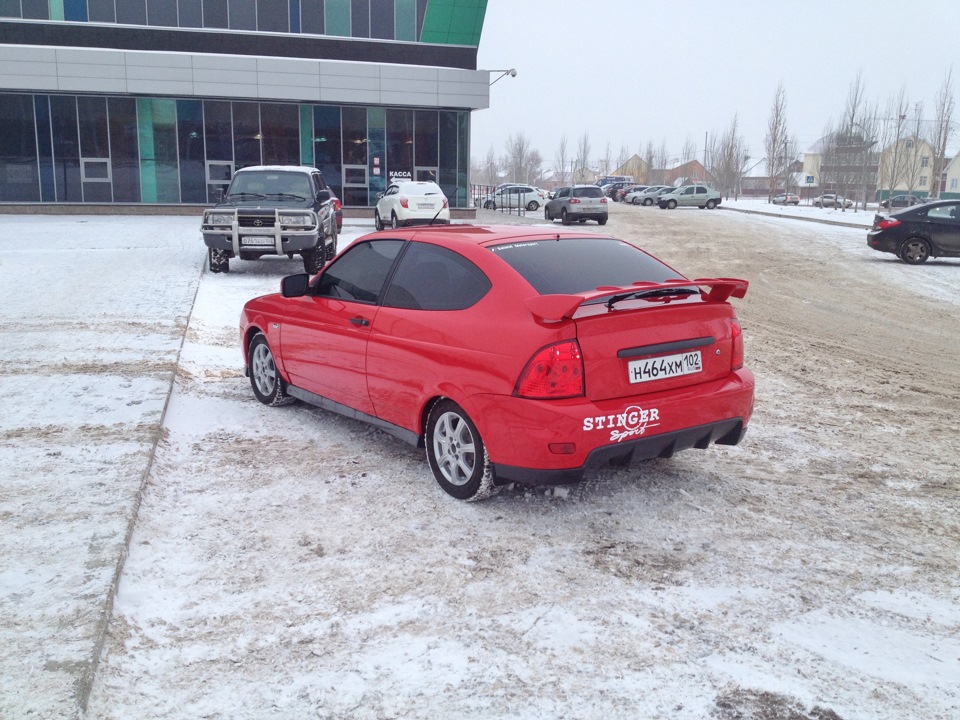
<point>172,548</point>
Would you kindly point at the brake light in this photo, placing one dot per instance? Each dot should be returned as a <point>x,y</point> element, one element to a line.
<point>446,203</point>
<point>737,337</point>
<point>404,202</point>
<point>574,201</point>
<point>889,223</point>
<point>603,200</point>
<point>556,371</point>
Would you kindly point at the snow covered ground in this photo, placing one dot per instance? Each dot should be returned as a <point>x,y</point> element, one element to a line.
<point>290,563</point>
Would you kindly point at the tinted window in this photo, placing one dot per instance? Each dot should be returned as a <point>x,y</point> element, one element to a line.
<point>944,212</point>
<point>581,264</point>
<point>434,278</point>
<point>588,192</point>
<point>360,272</point>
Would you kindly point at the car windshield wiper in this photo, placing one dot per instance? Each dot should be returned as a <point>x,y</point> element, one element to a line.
<point>656,292</point>
<point>285,195</point>
<point>244,195</point>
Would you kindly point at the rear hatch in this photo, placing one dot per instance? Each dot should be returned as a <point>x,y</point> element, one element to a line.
<point>648,346</point>
<point>588,200</point>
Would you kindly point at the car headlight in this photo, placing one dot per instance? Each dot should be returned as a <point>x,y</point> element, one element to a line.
<point>298,220</point>
<point>219,218</point>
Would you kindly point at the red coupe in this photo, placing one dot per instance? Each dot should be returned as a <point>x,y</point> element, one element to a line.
<point>511,354</point>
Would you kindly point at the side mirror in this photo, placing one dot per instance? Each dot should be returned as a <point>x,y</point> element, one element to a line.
<point>324,196</point>
<point>294,285</point>
<point>379,195</point>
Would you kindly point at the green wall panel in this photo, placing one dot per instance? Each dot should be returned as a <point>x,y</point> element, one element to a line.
<point>306,135</point>
<point>56,9</point>
<point>454,22</point>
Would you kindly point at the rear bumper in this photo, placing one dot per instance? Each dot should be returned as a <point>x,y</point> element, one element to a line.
<point>877,241</point>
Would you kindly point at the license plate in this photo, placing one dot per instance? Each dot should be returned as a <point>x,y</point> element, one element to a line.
<point>425,206</point>
<point>257,240</point>
<point>665,366</point>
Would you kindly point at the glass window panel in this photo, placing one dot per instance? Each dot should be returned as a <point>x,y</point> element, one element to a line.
<point>193,182</point>
<point>36,9</point>
<point>405,20</point>
<point>381,19</point>
<point>311,17</point>
<point>124,149</point>
<point>425,145</point>
<point>215,13</point>
<point>246,134</point>
<point>101,11</point>
<point>326,145</point>
<point>399,144</point>
<point>243,14</point>
<point>132,12</point>
<point>272,15</point>
<point>190,13</point>
<point>463,161</point>
<point>421,14</point>
<point>218,130</point>
<point>10,8</point>
<point>355,136</point>
<point>337,17</point>
<point>280,128</point>
<point>448,153</point>
<point>48,189</point>
<point>94,136</point>
<point>360,18</point>
<point>295,16</point>
<point>158,150</point>
<point>66,148</point>
<point>75,10</point>
<point>19,173</point>
<point>162,13</point>
<point>376,149</point>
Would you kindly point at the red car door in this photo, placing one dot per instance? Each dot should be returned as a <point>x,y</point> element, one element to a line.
<point>324,336</point>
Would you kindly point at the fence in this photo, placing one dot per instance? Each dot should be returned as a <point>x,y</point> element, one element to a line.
<point>508,203</point>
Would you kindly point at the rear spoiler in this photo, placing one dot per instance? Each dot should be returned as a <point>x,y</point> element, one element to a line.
<point>562,307</point>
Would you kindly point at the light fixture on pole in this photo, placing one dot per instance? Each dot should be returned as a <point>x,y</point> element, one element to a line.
<point>512,72</point>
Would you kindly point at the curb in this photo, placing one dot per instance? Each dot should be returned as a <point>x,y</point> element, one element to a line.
<point>838,223</point>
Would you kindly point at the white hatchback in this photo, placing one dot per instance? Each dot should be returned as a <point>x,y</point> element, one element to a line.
<point>412,202</point>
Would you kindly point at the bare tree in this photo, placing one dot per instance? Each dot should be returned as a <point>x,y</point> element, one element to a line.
<point>913,165</point>
<point>606,160</point>
<point>727,155</point>
<point>660,159</point>
<point>648,160</point>
<point>490,167</point>
<point>623,156</point>
<point>689,151</point>
<point>943,128</point>
<point>775,142</point>
<point>892,133</point>
<point>561,158</point>
<point>582,161</point>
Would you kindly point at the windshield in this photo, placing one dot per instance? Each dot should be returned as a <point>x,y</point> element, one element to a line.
<point>271,184</point>
<point>590,191</point>
<point>577,265</point>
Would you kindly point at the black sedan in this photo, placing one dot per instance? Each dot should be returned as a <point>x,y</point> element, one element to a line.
<point>919,232</point>
<point>901,201</point>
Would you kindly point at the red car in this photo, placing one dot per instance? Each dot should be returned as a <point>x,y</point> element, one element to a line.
<point>511,354</point>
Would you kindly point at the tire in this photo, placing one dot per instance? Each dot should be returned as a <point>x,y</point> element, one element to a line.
<point>564,218</point>
<point>533,206</point>
<point>377,222</point>
<point>456,453</point>
<point>819,205</point>
<point>314,259</point>
<point>268,386</point>
<point>601,221</point>
<point>711,204</point>
<point>219,260</point>
<point>671,204</point>
<point>581,220</point>
<point>636,201</point>
<point>648,201</point>
<point>546,214</point>
<point>332,246</point>
<point>489,205</point>
<point>914,251</point>
<point>701,206</point>
<point>394,220</point>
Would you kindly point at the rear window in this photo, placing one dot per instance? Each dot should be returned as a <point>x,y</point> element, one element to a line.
<point>588,192</point>
<point>580,264</point>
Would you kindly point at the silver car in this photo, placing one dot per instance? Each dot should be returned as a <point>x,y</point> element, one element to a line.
<point>577,202</point>
<point>832,201</point>
<point>700,196</point>
<point>647,196</point>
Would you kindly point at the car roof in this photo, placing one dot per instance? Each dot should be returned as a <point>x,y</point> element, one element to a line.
<point>278,168</point>
<point>480,235</point>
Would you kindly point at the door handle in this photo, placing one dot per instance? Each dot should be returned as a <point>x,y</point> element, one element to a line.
<point>362,322</point>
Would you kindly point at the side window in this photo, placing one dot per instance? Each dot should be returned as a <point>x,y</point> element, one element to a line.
<point>944,212</point>
<point>318,183</point>
<point>434,278</point>
<point>563,192</point>
<point>360,272</point>
<point>701,190</point>
<point>688,191</point>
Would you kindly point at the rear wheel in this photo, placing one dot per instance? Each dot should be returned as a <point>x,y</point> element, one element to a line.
<point>915,251</point>
<point>268,386</point>
<point>648,201</point>
<point>489,205</point>
<point>533,205</point>
<point>564,218</point>
<point>711,204</point>
<point>219,260</point>
<point>602,221</point>
<point>456,453</point>
<point>377,222</point>
<point>332,245</point>
<point>636,201</point>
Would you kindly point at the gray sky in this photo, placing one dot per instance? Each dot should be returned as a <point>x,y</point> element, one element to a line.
<point>630,71</point>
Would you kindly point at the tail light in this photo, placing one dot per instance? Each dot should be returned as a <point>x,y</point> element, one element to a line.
<point>556,371</point>
<point>603,200</point>
<point>337,205</point>
<point>737,353</point>
<point>574,201</point>
<point>404,202</point>
<point>446,203</point>
<point>888,223</point>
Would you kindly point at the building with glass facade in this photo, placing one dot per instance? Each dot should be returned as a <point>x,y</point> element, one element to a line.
<point>140,102</point>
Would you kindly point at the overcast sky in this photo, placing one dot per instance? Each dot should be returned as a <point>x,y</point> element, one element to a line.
<point>629,71</point>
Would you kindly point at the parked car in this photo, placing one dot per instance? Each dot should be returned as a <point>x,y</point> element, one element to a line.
<point>515,197</point>
<point>647,196</point>
<point>613,188</point>
<point>919,232</point>
<point>901,201</point>
<point>786,199</point>
<point>510,354</point>
<point>577,203</point>
<point>411,202</point>
<point>272,210</point>
<point>831,200</point>
<point>700,196</point>
<point>623,191</point>
<point>607,179</point>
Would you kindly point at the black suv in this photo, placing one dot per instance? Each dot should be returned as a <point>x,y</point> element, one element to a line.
<point>272,210</point>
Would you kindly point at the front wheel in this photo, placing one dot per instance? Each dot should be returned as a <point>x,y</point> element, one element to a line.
<point>533,205</point>
<point>711,204</point>
<point>314,259</point>
<point>648,202</point>
<point>489,205</point>
<point>546,214</point>
<point>456,453</point>
<point>219,260</point>
<point>268,386</point>
<point>636,201</point>
<point>915,251</point>
<point>671,205</point>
